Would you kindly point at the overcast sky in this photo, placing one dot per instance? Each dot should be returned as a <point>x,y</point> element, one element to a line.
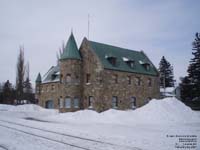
<point>157,27</point>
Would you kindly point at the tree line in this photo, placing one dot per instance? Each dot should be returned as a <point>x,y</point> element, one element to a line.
<point>22,92</point>
<point>190,84</point>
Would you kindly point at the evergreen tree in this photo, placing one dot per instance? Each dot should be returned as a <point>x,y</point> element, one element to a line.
<point>166,73</point>
<point>7,93</point>
<point>1,93</point>
<point>27,84</point>
<point>28,90</point>
<point>20,75</point>
<point>191,88</point>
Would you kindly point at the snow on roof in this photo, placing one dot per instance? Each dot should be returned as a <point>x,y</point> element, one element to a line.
<point>125,59</point>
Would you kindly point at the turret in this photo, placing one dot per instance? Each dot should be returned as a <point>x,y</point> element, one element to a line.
<point>70,73</point>
<point>38,81</point>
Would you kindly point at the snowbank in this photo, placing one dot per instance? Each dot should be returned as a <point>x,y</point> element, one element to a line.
<point>168,110</point>
<point>27,107</point>
<point>26,111</point>
<point>4,107</point>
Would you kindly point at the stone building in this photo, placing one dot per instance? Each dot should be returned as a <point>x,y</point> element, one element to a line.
<point>98,76</point>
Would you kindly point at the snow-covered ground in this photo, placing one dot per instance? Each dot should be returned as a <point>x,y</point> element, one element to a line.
<point>159,125</point>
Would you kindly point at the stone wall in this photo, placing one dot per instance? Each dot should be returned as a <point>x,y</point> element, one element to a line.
<point>70,87</point>
<point>87,77</point>
<point>102,84</point>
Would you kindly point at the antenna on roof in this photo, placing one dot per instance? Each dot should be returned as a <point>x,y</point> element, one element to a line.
<point>88,25</point>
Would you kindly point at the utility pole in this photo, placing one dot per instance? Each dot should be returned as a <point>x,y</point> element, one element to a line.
<point>88,26</point>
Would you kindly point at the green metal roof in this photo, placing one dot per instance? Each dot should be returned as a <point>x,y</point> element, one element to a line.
<point>39,79</point>
<point>122,55</point>
<point>71,51</point>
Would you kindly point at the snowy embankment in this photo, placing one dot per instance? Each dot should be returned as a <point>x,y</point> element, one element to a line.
<point>146,128</point>
<point>26,110</point>
<point>168,110</point>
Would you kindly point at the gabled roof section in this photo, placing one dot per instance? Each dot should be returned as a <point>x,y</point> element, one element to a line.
<point>71,51</point>
<point>53,75</point>
<point>38,79</point>
<point>103,51</point>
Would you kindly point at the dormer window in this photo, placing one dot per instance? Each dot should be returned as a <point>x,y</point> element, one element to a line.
<point>112,60</point>
<point>146,65</point>
<point>130,62</point>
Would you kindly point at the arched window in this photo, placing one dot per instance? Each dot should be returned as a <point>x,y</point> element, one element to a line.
<point>133,102</point>
<point>67,102</point>
<point>114,102</point>
<point>68,78</point>
<point>76,102</point>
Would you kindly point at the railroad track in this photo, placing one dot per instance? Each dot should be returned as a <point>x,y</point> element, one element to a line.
<point>2,147</point>
<point>62,138</point>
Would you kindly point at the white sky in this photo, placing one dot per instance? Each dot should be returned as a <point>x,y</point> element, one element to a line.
<point>157,27</point>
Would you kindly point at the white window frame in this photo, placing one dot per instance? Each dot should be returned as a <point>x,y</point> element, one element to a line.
<point>76,105</point>
<point>114,102</point>
<point>90,101</point>
<point>68,102</point>
<point>61,103</point>
<point>133,102</point>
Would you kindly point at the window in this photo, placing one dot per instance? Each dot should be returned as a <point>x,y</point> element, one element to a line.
<point>67,102</point>
<point>47,89</point>
<point>114,102</point>
<point>149,82</point>
<point>133,102</point>
<point>147,66</point>
<point>68,78</point>
<point>37,90</point>
<point>90,101</point>
<point>137,81</point>
<point>49,104</point>
<point>130,63</point>
<point>61,101</point>
<point>52,88</point>
<point>112,60</point>
<point>87,78</point>
<point>76,102</point>
<point>129,79</point>
<point>115,77</point>
<point>77,80</point>
<point>42,89</point>
<point>61,78</point>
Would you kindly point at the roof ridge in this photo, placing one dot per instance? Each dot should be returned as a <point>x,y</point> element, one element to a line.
<point>115,46</point>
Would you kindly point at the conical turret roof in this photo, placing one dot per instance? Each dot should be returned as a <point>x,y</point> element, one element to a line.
<point>71,51</point>
<point>38,79</point>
